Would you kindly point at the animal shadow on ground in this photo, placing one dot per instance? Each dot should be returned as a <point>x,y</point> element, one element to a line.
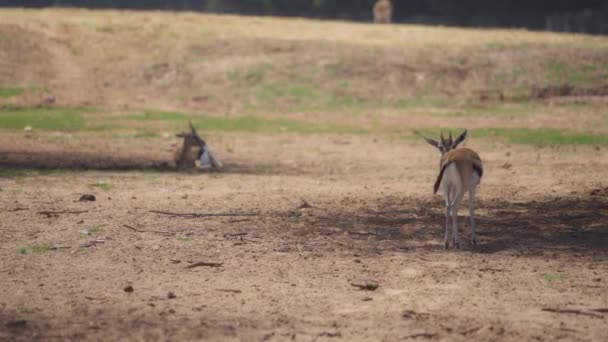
<point>71,160</point>
<point>551,225</point>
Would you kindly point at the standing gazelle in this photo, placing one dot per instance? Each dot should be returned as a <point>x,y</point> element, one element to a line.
<point>460,170</point>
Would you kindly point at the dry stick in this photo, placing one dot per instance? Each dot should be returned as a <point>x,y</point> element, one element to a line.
<point>237,221</point>
<point>492,269</point>
<point>148,231</point>
<point>50,213</point>
<point>201,214</point>
<point>573,311</point>
<point>206,264</point>
<point>426,335</point>
<point>235,234</point>
<point>229,290</point>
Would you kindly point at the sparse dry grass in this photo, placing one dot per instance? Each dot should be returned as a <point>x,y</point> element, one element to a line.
<point>384,79</point>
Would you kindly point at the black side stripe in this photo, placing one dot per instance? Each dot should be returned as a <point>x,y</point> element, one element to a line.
<point>438,181</point>
<point>479,169</point>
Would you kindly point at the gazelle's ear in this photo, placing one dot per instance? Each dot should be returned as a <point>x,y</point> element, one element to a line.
<point>432,142</point>
<point>460,139</point>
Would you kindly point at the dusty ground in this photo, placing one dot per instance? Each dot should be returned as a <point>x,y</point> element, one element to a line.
<point>539,271</point>
<point>114,270</point>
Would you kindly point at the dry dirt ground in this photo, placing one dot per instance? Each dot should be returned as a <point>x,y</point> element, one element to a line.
<point>276,270</point>
<point>285,272</point>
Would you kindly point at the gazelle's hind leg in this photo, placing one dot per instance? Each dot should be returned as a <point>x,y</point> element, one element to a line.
<point>472,214</point>
<point>454,208</point>
<point>448,212</point>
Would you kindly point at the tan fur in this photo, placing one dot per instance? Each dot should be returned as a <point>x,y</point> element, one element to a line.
<point>383,11</point>
<point>186,156</point>
<point>465,160</point>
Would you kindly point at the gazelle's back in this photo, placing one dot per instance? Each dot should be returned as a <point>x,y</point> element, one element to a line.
<point>461,167</point>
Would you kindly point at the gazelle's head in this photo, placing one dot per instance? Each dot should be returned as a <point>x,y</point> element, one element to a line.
<point>448,144</point>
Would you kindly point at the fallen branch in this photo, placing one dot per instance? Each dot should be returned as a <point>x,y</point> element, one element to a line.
<point>425,335</point>
<point>205,264</point>
<point>366,285</point>
<point>148,231</point>
<point>493,269</point>
<point>237,221</point>
<point>573,311</point>
<point>201,214</point>
<point>229,290</point>
<point>19,209</point>
<point>93,242</point>
<point>235,234</point>
<point>55,213</point>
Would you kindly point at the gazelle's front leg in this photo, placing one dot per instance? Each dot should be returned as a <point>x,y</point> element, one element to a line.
<point>455,227</point>
<point>472,215</point>
<point>448,212</point>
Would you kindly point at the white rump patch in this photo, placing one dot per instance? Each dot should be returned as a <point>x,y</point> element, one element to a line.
<point>205,160</point>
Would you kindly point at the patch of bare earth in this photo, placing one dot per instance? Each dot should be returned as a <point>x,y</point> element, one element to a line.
<point>278,269</point>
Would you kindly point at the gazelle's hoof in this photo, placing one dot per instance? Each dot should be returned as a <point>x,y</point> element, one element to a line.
<point>456,244</point>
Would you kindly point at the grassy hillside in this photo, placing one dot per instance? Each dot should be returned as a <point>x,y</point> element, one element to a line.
<point>306,76</point>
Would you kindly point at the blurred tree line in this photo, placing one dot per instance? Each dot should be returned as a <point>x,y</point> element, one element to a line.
<point>589,16</point>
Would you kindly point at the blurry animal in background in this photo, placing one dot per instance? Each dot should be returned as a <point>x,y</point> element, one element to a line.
<point>460,170</point>
<point>195,152</point>
<point>383,11</point>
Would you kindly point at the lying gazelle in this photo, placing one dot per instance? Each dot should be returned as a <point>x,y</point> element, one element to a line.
<point>460,170</point>
<point>195,152</point>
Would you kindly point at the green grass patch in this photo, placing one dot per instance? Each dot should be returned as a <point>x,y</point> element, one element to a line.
<point>147,135</point>
<point>552,277</point>
<point>10,92</point>
<point>21,172</point>
<point>183,238</point>
<point>421,102</point>
<point>530,136</point>
<point>48,118</point>
<point>35,249</point>
<point>301,97</point>
<point>102,185</point>
<point>579,74</point>
<point>541,136</point>
<point>245,124</point>
<point>106,29</point>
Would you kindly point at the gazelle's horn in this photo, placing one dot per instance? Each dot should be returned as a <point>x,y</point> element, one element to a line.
<point>195,133</point>
<point>442,139</point>
<point>192,128</point>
